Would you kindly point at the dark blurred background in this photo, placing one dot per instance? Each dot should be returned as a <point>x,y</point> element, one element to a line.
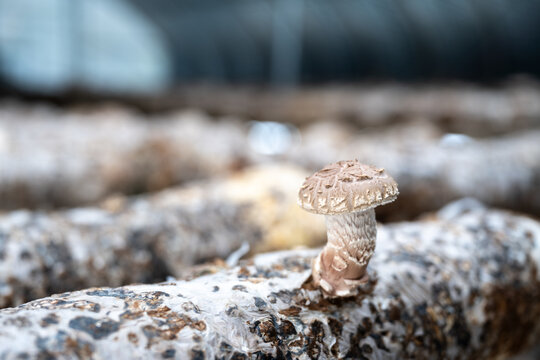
<point>94,95</point>
<point>136,46</point>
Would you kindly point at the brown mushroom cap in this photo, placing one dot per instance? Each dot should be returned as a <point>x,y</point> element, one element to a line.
<point>346,186</point>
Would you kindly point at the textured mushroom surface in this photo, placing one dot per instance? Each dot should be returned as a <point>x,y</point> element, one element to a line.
<point>346,192</point>
<point>463,284</point>
<point>433,168</point>
<point>147,238</point>
<point>346,186</point>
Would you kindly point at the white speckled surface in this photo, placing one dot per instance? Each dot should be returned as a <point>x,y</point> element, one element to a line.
<point>461,285</point>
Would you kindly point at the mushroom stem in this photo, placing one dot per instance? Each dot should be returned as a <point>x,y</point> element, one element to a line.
<point>341,266</point>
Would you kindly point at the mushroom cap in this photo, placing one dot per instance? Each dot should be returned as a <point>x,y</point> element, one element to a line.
<point>346,186</point>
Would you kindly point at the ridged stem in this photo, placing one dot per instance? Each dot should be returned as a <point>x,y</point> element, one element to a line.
<point>341,266</point>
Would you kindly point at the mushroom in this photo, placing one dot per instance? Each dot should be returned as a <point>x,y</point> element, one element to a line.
<point>346,192</point>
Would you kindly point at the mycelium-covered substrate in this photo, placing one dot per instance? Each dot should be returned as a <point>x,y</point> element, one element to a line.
<point>147,238</point>
<point>461,284</point>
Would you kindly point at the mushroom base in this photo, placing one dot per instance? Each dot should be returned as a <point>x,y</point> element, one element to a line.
<point>341,267</point>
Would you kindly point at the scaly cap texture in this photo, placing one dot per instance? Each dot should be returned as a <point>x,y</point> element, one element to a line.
<point>346,186</point>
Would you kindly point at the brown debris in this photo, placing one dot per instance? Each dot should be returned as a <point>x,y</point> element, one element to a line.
<point>292,311</point>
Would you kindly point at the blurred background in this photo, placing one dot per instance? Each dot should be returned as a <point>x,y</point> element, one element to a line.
<point>189,103</point>
<point>118,96</point>
<point>132,46</point>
